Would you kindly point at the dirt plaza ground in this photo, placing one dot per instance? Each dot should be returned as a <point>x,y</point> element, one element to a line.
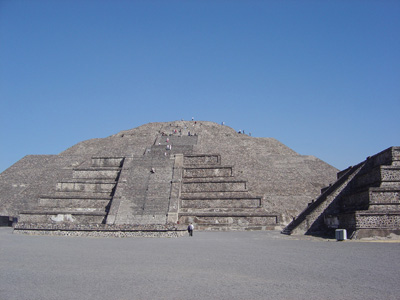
<point>209,265</point>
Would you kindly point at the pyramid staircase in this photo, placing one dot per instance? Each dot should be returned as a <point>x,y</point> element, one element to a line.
<point>83,200</point>
<point>301,224</point>
<point>214,199</point>
<point>365,200</point>
<point>144,190</point>
<point>372,208</point>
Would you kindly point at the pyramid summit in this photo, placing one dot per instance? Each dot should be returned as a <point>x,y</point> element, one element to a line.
<point>164,176</point>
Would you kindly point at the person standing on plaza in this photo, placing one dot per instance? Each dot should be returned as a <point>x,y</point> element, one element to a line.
<point>190,229</point>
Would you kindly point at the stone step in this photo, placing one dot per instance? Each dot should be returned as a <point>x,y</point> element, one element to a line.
<point>77,195</point>
<point>212,179</point>
<point>383,176</point>
<point>384,196</point>
<point>363,212</point>
<point>89,181</point>
<point>223,210</point>
<point>216,195</point>
<point>207,172</point>
<point>44,211</point>
<point>201,160</point>
<point>372,198</point>
<point>243,226</point>
<point>229,220</point>
<point>384,207</point>
<point>103,173</point>
<point>107,161</point>
<point>69,210</point>
<point>222,203</point>
<point>103,186</point>
<point>287,230</point>
<point>396,153</point>
<point>247,213</point>
<point>61,217</point>
<point>214,186</point>
<point>390,176</point>
<point>73,202</point>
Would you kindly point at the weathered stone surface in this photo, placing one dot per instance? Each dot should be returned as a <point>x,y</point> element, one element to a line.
<point>170,172</point>
<point>364,200</point>
<point>100,230</point>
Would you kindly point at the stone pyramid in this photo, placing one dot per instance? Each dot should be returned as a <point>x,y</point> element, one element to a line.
<point>160,176</point>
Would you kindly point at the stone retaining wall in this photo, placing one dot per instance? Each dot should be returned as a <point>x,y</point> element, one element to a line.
<point>386,196</point>
<point>387,220</point>
<point>100,230</point>
<point>117,234</point>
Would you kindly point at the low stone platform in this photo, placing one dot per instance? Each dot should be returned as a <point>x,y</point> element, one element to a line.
<point>100,230</point>
<point>365,200</point>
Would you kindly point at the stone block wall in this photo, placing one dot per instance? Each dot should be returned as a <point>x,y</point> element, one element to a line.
<point>214,199</point>
<point>386,220</point>
<point>367,202</point>
<point>78,200</point>
<point>378,196</point>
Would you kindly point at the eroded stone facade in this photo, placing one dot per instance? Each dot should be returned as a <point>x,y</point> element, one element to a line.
<point>364,200</point>
<point>168,173</point>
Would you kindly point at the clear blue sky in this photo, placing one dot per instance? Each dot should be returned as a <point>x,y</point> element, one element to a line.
<point>322,77</point>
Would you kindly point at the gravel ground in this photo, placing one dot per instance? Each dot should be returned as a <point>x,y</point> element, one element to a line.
<point>209,265</point>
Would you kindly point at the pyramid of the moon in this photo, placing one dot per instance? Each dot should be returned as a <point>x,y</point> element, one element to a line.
<point>164,174</point>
